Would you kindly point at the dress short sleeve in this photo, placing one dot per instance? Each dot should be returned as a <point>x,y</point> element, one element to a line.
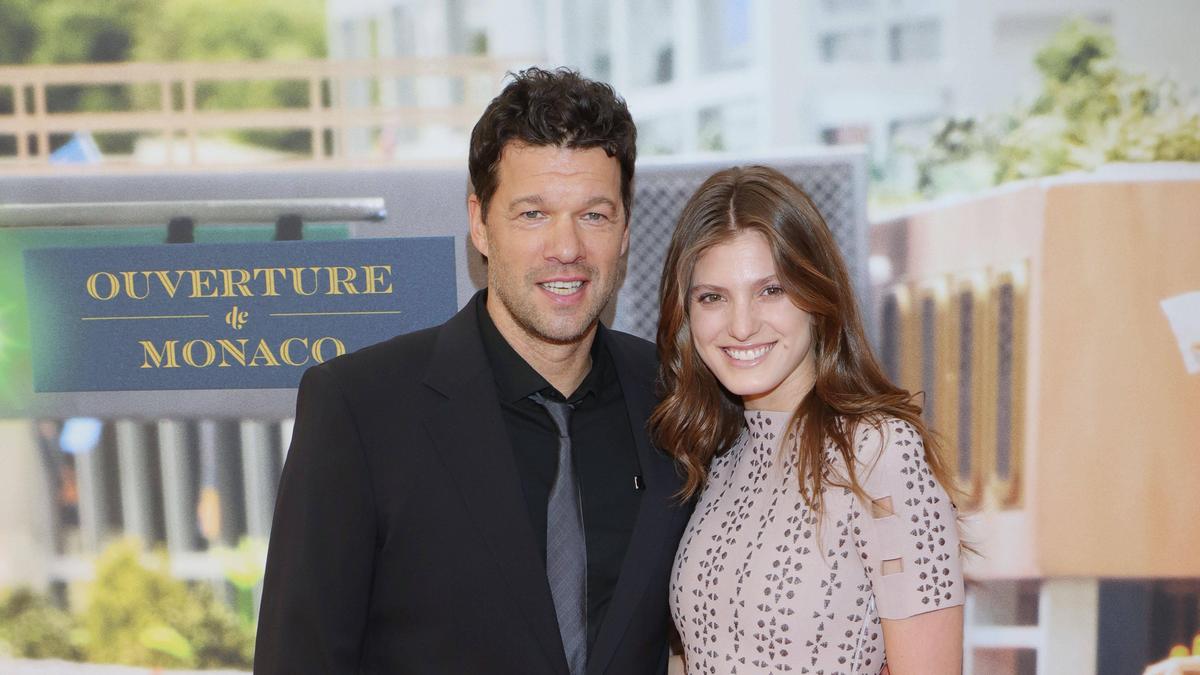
<point>912,555</point>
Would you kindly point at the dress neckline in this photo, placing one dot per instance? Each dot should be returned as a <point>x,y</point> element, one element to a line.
<point>773,414</point>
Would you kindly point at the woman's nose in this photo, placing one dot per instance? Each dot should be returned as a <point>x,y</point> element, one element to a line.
<point>744,321</point>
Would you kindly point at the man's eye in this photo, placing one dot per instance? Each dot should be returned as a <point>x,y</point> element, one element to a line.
<point>531,215</point>
<point>595,217</point>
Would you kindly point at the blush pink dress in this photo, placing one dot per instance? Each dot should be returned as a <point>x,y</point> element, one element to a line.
<point>761,584</point>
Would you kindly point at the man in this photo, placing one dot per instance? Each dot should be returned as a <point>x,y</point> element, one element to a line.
<point>481,497</point>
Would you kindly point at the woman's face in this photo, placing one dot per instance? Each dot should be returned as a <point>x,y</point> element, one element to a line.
<point>745,327</point>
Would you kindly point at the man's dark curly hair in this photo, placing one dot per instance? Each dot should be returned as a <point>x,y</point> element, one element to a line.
<point>556,108</point>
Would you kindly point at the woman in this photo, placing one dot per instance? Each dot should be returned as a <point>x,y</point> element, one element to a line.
<point>823,539</point>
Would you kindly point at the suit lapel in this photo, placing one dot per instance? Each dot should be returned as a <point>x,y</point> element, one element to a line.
<point>656,514</point>
<point>473,444</point>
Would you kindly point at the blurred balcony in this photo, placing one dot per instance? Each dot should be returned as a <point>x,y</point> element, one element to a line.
<point>183,115</point>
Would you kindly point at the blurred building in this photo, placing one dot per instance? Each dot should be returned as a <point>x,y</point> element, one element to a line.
<point>750,75</point>
<point>1065,402</point>
<point>401,30</point>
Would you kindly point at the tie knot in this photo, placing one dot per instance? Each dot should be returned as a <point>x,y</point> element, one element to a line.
<point>560,412</point>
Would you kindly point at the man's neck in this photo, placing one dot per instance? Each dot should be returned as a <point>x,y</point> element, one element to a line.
<point>563,365</point>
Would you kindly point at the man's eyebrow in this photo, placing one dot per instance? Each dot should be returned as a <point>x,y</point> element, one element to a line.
<point>531,200</point>
<point>537,200</point>
<point>598,200</point>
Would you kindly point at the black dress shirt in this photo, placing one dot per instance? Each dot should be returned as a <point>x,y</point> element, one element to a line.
<point>602,447</point>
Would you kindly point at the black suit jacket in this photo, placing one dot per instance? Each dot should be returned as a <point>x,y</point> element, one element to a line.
<point>401,542</point>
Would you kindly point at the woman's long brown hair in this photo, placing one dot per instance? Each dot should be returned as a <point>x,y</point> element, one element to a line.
<point>698,418</point>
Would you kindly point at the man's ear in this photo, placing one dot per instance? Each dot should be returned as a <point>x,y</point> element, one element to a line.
<point>478,229</point>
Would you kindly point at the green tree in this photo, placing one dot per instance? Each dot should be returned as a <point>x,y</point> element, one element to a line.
<point>136,615</point>
<point>91,31</point>
<point>86,31</point>
<point>32,627</point>
<point>83,31</point>
<point>18,31</point>
<point>233,30</point>
<point>236,30</point>
<point>1089,112</point>
<point>94,31</point>
<point>18,37</point>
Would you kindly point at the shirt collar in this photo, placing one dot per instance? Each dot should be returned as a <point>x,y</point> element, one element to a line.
<point>516,379</point>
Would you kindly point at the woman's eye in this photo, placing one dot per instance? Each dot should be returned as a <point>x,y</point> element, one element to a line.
<point>707,298</point>
<point>773,290</point>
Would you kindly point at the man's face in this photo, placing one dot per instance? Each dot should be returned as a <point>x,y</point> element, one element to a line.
<point>554,236</point>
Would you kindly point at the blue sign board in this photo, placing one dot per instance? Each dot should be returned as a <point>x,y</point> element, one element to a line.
<point>225,316</point>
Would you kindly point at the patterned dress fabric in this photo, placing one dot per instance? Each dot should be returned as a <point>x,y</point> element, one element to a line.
<point>762,585</point>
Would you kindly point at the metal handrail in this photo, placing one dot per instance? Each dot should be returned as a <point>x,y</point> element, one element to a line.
<point>223,212</point>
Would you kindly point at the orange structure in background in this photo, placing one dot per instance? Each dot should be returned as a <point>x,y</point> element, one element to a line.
<point>1031,318</point>
<point>1181,662</point>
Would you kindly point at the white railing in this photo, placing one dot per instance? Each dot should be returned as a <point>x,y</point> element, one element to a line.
<point>342,96</point>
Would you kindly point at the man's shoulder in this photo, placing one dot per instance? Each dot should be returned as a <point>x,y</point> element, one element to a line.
<point>632,351</point>
<point>631,342</point>
<point>393,361</point>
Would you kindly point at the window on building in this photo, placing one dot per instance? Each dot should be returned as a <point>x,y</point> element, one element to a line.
<point>1009,312</point>
<point>1004,381</point>
<point>653,50</point>
<point>457,39</point>
<point>404,44</point>
<point>839,6</point>
<point>855,45</point>
<point>351,44</point>
<point>727,128</point>
<point>725,27</point>
<point>373,46</point>
<point>915,41</point>
<point>659,136</point>
<point>929,371</point>
<point>890,344</point>
<point>587,37</point>
<point>602,65</point>
<point>458,43</point>
<point>355,92</point>
<point>849,134</point>
<point>711,130</point>
<point>404,31</point>
<point>904,136</point>
<point>965,421</point>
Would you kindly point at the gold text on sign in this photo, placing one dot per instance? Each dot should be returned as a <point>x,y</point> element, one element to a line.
<point>226,353</point>
<point>236,318</point>
<point>236,282</point>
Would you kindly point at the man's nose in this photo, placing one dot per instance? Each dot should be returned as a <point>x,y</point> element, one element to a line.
<point>563,244</point>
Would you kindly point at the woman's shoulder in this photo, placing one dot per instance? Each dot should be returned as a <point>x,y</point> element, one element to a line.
<point>885,442</point>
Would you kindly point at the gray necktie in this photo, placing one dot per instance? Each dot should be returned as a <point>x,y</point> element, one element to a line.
<point>566,549</point>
